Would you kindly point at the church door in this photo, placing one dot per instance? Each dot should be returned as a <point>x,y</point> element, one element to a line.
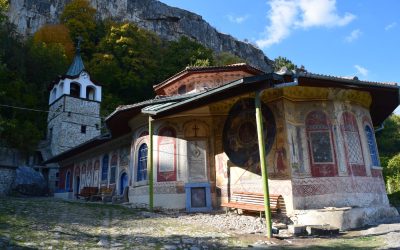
<point>197,161</point>
<point>123,182</point>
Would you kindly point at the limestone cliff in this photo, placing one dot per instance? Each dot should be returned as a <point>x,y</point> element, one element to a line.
<point>168,22</point>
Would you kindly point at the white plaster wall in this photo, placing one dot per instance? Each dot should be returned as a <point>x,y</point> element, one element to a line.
<point>63,87</point>
<point>169,201</point>
<point>65,195</point>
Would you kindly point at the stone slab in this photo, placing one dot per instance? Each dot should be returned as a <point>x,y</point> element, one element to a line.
<point>322,230</point>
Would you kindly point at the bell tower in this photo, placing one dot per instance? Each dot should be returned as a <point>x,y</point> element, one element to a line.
<point>74,108</point>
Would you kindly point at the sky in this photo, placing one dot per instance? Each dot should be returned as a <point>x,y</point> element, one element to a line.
<point>334,37</point>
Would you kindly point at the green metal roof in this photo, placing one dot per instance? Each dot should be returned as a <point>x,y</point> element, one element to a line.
<point>76,66</point>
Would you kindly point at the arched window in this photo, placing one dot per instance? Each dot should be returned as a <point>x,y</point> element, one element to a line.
<point>104,168</point>
<point>113,170</point>
<point>142,163</point>
<point>75,90</point>
<point>61,88</point>
<point>320,143</point>
<point>372,145</point>
<point>90,93</point>
<point>123,183</point>
<point>54,94</point>
<point>355,160</point>
<point>67,181</point>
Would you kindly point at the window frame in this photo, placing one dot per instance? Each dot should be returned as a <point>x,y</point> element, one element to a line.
<point>138,160</point>
<point>374,145</point>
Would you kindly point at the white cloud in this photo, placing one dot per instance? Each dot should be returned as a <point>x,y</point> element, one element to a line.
<point>354,35</point>
<point>322,13</point>
<point>390,26</point>
<point>237,19</point>
<point>286,15</point>
<point>361,70</point>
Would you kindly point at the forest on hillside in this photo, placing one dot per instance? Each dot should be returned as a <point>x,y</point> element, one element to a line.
<point>125,59</point>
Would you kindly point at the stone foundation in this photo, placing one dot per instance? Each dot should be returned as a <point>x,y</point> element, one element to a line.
<point>344,218</point>
<point>7,176</point>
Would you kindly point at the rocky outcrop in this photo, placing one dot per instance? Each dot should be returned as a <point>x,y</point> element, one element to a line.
<point>168,22</point>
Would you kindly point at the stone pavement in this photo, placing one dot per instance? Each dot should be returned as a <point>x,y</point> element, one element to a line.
<point>48,223</point>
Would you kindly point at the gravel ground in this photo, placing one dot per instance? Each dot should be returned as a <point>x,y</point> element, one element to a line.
<point>47,223</point>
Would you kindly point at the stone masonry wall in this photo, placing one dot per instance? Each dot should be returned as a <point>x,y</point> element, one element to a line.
<point>7,176</point>
<point>66,117</point>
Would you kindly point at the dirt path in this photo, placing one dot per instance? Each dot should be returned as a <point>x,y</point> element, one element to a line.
<point>46,223</point>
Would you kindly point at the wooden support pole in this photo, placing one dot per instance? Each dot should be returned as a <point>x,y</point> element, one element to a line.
<point>263,163</point>
<point>150,165</point>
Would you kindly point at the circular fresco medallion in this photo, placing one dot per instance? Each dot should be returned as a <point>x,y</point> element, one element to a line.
<point>240,134</point>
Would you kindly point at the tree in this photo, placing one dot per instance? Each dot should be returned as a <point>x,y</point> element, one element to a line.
<point>80,18</point>
<point>3,9</point>
<point>127,61</point>
<point>226,58</point>
<point>388,139</point>
<point>56,34</point>
<point>182,53</point>
<point>281,62</point>
<point>393,177</point>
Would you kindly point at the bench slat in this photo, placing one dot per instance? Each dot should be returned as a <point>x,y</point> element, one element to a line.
<point>255,202</point>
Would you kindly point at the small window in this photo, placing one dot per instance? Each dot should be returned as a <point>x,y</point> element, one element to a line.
<point>142,163</point>
<point>104,168</point>
<point>182,89</point>
<point>50,135</point>
<point>90,93</point>
<point>83,129</point>
<point>372,146</point>
<point>54,94</point>
<point>75,90</point>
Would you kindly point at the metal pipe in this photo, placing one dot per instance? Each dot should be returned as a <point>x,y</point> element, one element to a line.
<point>150,165</point>
<point>263,163</point>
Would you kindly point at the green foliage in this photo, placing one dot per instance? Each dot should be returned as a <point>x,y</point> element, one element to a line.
<point>126,60</point>
<point>26,69</point>
<point>281,62</point>
<point>3,8</point>
<point>393,174</point>
<point>388,139</point>
<point>80,18</point>
<point>182,53</point>
<point>225,58</point>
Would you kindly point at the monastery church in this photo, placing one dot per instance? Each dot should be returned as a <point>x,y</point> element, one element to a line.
<point>321,153</point>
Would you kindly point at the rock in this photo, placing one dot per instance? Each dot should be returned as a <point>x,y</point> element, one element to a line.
<point>102,243</point>
<point>30,182</point>
<point>280,225</point>
<point>188,241</point>
<point>170,247</point>
<point>168,22</point>
<point>195,248</point>
<point>297,229</point>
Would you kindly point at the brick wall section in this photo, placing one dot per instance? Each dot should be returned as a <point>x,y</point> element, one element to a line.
<point>7,176</point>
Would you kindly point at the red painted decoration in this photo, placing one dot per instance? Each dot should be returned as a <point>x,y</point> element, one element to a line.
<point>354,155</point>
<point>320,145</point>
<point>166,150</point>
